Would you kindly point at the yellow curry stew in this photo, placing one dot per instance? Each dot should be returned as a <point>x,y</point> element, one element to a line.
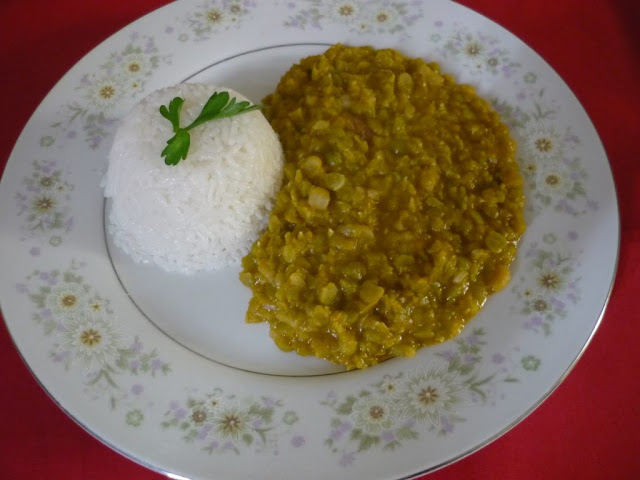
<point>399,214</point>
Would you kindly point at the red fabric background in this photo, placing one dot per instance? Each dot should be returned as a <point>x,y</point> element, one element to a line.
<point>588,429</point>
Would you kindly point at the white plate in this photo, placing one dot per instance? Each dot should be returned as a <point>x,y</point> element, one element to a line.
<point>174,379</point>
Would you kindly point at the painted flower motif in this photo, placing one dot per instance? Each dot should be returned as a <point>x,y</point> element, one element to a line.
<point>493,62</point>
<point>290,417</point>
<point>360,17</point>
<point>199,414</point>
<point>343,12</point>
<point>105,93</point>
<point>477,53</point>
<point>530,168</point>
<point>540,305</point>
<point>549,238</point>
<point>221,423</point>
<point>400,408</point>
<point>107,90</point>
<point>46,141</point>
<point>553,181</point>
<point>66,300</point>
<point>134,418</point>
<point>298,441</point>
<point>384,18</point>
<point>235,8</point>
<point>389,385</point>
<point>47,182</point>
<point>214,402</point>
<point>549,287</point>
<point>96,305</point>
<point>373,414</point>
<point>215,16</point>
<point>544,143</point>
<point>473,49</point>
<point>55,240</point>
<point>530,363</point>
<point>43,202</point>
<point>232,421</point>
<point>78,325</point>
<point>553,172</point>
<point>431,393</point>
<point>136,65</point>
<point>45,205</point>
<point>92,338</point>
<point>550,281</point>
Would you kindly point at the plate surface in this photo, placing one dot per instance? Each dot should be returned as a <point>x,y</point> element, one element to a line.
<point>100,335</point>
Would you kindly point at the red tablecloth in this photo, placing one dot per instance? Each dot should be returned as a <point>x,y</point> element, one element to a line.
<point>589,428</point>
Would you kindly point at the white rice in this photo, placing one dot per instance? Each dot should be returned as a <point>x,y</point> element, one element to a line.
<point>205,212</point>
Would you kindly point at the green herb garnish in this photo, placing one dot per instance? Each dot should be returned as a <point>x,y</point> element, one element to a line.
<point>218,106</point>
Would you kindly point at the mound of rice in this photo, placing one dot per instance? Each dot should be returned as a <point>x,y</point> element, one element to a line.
<point>205,212</point>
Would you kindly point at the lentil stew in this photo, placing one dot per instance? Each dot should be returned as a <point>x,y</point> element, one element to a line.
<point>399,214</point>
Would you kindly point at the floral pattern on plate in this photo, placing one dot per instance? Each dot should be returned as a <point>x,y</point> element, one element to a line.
<point>44,202</point>
<point>81,327</point>
<point>548,153</point>
<point>100,94</point>
<point>402,407</point>
<point>212,17</point>
<point>222,423</point>
<point>551,286</point>
<point>377,16</point>
<point>475,52</point>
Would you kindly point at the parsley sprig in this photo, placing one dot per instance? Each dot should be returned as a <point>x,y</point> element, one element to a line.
<point>218,106</point>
